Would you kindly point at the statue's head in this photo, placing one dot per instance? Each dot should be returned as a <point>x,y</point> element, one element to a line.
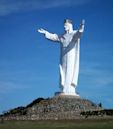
<point>67,21</point>
<point>68,26</point>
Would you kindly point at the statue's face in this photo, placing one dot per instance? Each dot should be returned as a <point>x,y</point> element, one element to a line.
<point>67,26</point>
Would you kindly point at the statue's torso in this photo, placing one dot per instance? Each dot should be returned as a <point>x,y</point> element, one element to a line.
<point>66,39</point>
<point>67,46</point>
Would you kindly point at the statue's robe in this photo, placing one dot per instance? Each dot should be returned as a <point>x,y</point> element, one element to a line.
<point>69,59</point>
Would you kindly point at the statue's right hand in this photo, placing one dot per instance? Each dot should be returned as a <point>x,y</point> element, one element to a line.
<point>41,31</point>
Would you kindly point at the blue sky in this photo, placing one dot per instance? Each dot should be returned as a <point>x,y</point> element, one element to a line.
<point>29,63</point>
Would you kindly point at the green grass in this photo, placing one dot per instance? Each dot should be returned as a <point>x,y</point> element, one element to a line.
<point>64,124</point>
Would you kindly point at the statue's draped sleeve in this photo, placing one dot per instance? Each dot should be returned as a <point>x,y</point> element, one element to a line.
<point>78,34</point>
<point>76,40</point>
<point>51,36</point>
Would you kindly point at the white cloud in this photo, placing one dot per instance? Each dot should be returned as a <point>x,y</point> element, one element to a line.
<point>9,86</point>
<point>14,75</point>
<point>104,80</point>
<point>98,76</point>
<point>13,6</point>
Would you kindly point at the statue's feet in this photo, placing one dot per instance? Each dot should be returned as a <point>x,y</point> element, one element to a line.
<point>73,94</point>
<point>77,95</point>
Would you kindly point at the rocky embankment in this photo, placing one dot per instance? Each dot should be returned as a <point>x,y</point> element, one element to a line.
<point>56,108</point>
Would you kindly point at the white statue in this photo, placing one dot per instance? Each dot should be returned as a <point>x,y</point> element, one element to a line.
<point>69,57</point>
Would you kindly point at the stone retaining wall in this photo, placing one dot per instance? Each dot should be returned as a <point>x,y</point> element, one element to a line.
<point>61,107</point>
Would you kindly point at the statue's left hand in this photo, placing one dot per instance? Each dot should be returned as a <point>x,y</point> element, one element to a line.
<point>83,22</point>
<point>81,28</point>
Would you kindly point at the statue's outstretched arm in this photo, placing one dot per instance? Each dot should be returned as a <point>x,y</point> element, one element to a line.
<point>48,35</point>
<point>79,32</point>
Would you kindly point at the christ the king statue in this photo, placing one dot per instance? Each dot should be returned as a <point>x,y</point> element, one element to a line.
<point>69,56</point>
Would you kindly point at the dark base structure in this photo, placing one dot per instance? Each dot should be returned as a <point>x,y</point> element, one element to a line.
<point>60,107</point>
